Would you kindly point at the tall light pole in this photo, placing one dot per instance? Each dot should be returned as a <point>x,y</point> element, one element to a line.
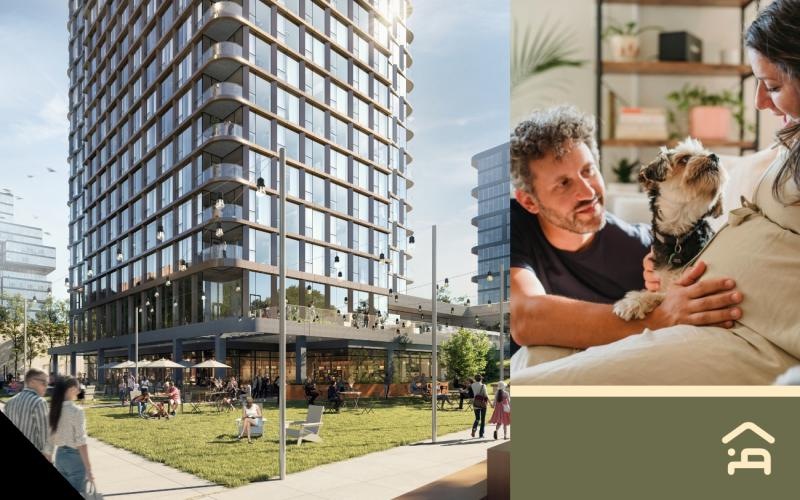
<point>502,320</point>
<point>25,334</point>
<point>434,360</point>
<point>282,315</point>
<point>137,311</point>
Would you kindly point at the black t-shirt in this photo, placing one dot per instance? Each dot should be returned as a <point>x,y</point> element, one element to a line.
<point>601,273</point>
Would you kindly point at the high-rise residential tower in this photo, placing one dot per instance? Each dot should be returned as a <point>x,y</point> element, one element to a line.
<point>494,196</point>
<point>177,110</point>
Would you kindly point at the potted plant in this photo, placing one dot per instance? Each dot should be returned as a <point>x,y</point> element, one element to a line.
<point>625,170</point>
<point>623,40</point>
<point>709,113</point>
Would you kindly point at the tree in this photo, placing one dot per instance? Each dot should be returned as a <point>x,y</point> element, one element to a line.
<point>464,354</point>
<point>47,329</point>
<point>443,294</point>
<point>11,324</point>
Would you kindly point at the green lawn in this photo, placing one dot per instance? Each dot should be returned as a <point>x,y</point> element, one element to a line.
<point>203,444</point>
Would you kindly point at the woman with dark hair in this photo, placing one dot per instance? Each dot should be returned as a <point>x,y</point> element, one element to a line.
<point>759,248</point>
<point>68,433</point>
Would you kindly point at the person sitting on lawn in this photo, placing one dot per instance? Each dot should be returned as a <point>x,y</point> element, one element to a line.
<point>312,393</point>
<point>465,393</point>
<point>141,401</point>
<point>174,395</point>
<point>158,410</point>
<point>251,413</point>
<point>334,396</point>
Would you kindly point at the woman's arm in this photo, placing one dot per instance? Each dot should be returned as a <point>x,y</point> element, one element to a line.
<point>84,452</point>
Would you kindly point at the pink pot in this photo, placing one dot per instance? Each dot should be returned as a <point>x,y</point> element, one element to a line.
<point>710,122</point>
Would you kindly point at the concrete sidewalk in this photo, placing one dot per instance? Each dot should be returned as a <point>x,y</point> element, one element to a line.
<point>385,474</point>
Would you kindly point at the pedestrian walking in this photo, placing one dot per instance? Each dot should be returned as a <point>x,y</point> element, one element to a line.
<point>28,410</point>
<point>68,434</point>
<point>502,410</point>
<point>479,403</point>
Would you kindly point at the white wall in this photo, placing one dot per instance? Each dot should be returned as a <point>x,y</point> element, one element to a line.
<point>718,28</point>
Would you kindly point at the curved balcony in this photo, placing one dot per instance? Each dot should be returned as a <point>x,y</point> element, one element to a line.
<point>220,59</point>
<point>219,251</point>
<point>221,99</point>
<point>229,212</point>
<point>221,139</point>
<point>221,173</point>
<point>219,20</point>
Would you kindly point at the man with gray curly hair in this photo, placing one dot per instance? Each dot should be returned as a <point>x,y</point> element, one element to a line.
<point>570,259</point>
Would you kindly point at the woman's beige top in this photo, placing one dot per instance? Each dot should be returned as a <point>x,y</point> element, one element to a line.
<point>71,429</point>
<point>759,247</point>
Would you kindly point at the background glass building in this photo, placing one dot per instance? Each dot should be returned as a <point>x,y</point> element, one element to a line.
<point>25,261</point>
<point>177,111</point>
<point>493,193</point>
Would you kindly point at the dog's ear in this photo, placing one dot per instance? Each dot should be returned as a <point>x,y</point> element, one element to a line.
<point>654,172</point>
<point>716,210</point>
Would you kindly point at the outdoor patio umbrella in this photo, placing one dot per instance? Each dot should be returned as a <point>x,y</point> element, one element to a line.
<point>211,363</point>
<point>124,364</point>
<point>163,363</point>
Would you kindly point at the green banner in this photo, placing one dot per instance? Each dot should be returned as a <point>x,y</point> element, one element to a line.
<point>656,448</point>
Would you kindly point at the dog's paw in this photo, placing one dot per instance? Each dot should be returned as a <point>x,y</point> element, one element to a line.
<point>637,304</point>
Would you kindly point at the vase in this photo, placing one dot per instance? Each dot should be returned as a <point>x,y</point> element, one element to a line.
<point>710,122</point>
<point>624,48</point>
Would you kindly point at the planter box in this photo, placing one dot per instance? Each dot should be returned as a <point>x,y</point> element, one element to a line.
<point>710,122</point>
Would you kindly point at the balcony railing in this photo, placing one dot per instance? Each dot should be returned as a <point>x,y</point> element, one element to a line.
<point>221,49</point>
<point>220,251</point>
<point>229,211</point>
<point>222,89</point>
<point>220,170</point>
<point>225,129</point>
<point>220,9</point>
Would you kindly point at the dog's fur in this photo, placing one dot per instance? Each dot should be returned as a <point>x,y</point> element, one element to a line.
<point>684,185</point>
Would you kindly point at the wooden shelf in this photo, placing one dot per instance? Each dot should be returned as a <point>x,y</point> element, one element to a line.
<point>676,68</point>
<point>687,3</point>
<point>649,143</point>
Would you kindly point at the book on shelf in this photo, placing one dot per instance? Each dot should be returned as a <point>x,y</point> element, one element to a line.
<point>641,123</point>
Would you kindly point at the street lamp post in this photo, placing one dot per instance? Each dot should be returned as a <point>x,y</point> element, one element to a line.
<point>282,315</point>
<point>434,361</point>
<point>502,321</point>
<point>25,334</point>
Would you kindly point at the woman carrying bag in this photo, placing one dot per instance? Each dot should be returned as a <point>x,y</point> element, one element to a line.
<point>502,410</point>
<point>479,403</point>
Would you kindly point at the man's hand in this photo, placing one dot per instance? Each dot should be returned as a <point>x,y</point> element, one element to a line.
<point>693,302</point>
<point>652,282</point>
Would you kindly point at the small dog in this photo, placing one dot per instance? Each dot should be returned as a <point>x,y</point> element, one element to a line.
<point>684,185</point>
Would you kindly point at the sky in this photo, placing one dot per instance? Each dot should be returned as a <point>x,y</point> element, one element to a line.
<point>460,100</point>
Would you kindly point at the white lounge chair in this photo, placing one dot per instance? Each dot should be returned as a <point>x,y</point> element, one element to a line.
<point>255,430</point>
<point>307,430</point>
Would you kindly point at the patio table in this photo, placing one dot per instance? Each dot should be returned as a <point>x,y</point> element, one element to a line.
<point>352,396</point>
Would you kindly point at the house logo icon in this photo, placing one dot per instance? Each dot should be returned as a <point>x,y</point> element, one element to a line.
<point>748,454</point>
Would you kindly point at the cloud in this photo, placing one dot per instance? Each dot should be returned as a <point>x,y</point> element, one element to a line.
<point>49,124</point>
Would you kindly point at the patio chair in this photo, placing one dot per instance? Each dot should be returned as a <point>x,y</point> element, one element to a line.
<point>187,398</point>
<point>255,430</point>
<point>307,430</point>
<point>131,404</point>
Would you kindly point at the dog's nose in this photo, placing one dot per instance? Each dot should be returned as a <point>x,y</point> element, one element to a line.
<point>713,157</point>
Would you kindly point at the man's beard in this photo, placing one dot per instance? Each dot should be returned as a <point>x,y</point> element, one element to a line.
<point>575,222</point>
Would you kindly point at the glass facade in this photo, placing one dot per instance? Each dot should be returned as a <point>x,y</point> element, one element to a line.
<point>25,261</point>
<point>493,223</point>
<point>177,112</point>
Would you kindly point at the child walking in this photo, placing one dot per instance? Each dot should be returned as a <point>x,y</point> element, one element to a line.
<point>502,410</point>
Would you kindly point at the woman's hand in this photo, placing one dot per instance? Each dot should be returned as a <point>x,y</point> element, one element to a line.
<point>652,281</point>
<point>89,475</point>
